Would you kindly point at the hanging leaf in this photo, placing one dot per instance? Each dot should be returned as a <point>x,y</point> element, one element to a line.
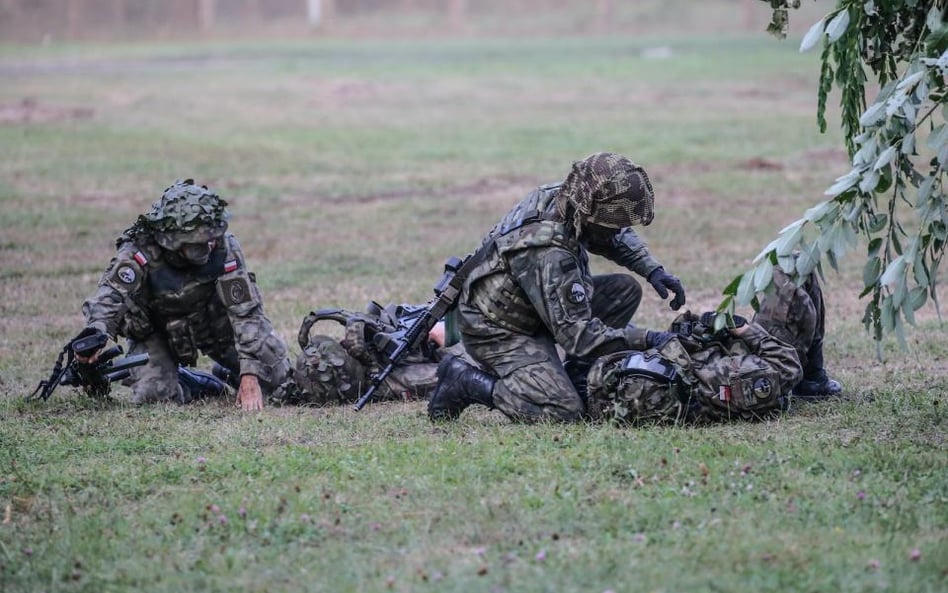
<point>894,271</point>
<point>787,263</point>
<point>875,113</point>
<point>840,243</point>
<point>819,211</point>
<point>900,331</point>
<point>867,153</point>
<point>884,159</point>
<point>910,81</point>
<point>831,258</point>
<point>843,183</point>
<point>812,36</point>
<point>871,271</point>
<point>887,315</point>
<point>917,297</point>
<point>869,182</point>
<point>745,290</point>
<point>907,312</point>
<point>767,250</point>
<point>938,137</point>
<point>789,241</point>
<point>894,103</point>
<point>920,271</point>
<point>899,294</point>
<point>925,192</point>
<point>731,289</point>
<point>763,276</point>
<point>837,26</point>
<point>807,260</point>
<point>908,144</point>
<point>877,222</point>
<point>908,111</point>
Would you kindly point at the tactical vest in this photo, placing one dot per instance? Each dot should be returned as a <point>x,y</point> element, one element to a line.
<point>183,303</point>
<point>175,292</point>
<point>491,288</point>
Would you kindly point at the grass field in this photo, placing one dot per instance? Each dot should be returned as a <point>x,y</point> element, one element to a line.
<point>353,169</point>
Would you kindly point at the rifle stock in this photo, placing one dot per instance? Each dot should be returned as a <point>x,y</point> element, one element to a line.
<point>446,291</point>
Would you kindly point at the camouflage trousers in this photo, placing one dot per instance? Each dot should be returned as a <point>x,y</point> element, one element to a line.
<point>158,379</point>
<point>795,315</point>
<point>532,384</point>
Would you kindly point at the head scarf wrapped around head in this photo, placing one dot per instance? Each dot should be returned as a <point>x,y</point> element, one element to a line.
<point>608,190</point>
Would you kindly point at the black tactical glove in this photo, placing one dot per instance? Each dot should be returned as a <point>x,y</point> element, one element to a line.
<point>662,282</point>
<point>88,342</point>
<point>657,339</point>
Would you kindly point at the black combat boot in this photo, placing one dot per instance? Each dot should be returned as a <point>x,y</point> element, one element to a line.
<point>578,371</point>
<point>459,385</point>
<point>816,384</point>
<point>226,375</point>
<point>197,384</point>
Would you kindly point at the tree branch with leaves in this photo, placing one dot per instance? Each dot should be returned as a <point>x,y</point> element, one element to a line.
<point>894,194</point>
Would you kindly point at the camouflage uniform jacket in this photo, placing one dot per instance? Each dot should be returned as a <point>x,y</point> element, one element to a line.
<point>741,375</point>
<point>194,306</point>
<point>537,275</point>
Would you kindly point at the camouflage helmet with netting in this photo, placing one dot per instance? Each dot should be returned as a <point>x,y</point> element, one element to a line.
<point>608,190</point>
<point>186,213</point>
<point>621,392</point>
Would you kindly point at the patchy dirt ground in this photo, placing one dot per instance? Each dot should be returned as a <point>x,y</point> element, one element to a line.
<point>30,110</point>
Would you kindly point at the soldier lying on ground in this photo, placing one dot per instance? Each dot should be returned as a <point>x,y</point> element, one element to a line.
<point>338,370</point>
<point>179,286</point>
<point>748,372</point>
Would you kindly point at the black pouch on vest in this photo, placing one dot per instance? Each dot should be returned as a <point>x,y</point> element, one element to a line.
<point>181,341</point>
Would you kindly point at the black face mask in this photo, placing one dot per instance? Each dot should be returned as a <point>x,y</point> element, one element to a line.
<point>197,254</point>
<point>599,235</point>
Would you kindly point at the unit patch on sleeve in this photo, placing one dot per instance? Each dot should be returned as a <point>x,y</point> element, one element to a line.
<point>577,293</point>
<point>236,290</point>
<point>126,274</point>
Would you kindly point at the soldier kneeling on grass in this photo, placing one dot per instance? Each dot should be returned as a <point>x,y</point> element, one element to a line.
<point>747,371</point>
<point>178,286</point>
<point>334,371</point>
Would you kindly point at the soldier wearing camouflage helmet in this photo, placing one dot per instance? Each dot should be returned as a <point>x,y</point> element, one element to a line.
<point>534,292</point>
<point>179,286</point>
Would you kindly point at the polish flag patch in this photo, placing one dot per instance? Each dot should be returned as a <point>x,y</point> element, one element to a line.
<point>230,266</point>
<point>724,393</point>
<point>140,258</point>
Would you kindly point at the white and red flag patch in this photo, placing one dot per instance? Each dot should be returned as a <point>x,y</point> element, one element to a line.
<point>230,266</point>
<point>140,258</point>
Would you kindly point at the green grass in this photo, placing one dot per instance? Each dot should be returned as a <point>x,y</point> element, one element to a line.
<point>353,170</point>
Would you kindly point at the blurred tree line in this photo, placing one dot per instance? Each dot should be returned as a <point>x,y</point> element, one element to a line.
<point>32,20</point>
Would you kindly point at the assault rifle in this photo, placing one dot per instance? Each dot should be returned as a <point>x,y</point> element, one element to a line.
<point>711,326</point>
<point>96,377</point>
<point>396,345</point>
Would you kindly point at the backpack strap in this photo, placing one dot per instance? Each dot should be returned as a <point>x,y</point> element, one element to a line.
<point>342,316</point>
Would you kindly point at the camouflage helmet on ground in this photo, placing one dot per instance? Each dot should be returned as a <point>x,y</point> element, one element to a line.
<point>326,374</point>
<point>636,387</point>
<point>606,189</point>
<point>186,213</point>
